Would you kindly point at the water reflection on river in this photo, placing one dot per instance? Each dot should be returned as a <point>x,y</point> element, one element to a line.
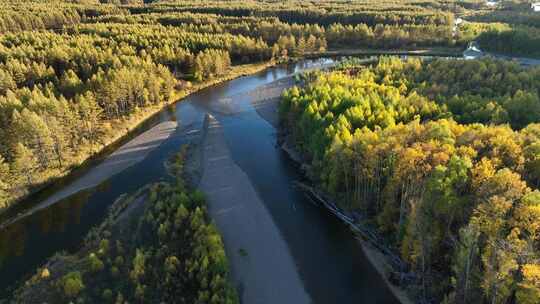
<point>53,220</point>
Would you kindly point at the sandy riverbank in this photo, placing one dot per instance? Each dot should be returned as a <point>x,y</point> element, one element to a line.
<point>126,156</point>
<point>262,267</point>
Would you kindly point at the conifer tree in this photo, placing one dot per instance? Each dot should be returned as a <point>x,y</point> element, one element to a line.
<point>25,163</point>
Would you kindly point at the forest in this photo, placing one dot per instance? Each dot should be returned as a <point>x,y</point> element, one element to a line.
<point>64,95</point>
<point>442,157</point>
<point>155,246</point>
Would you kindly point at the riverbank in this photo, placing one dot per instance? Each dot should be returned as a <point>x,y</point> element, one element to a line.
<point>524,61</point>
<point>261,265</point>
<point>266,101</point>
<point>379,261</point>
<point>124,129</point>
<point>378,255</point>
<point>126,156</point>
<point>434,51</point>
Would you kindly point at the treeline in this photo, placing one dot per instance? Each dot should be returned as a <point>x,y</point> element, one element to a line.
<point>526,18</point>
<point>20,16</point>
<point>520,40</point>
<point>370,24</point>
<point>173,46</point>
<point>358,24</point>
<point>271,29</point>
<point>501,38</point>
<point>459,203</point>
<point>395,91</point>
<point>338,35</point>
<point>512,12</point>
<point>388,36</point>
<point>314,12</point>
<point>157,246</point>
<point>469,31</point>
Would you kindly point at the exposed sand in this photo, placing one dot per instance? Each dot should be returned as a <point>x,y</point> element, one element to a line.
<point>378,260</point>
<point>261,265</point>
<point>264,99</point>
<point>129,154</point>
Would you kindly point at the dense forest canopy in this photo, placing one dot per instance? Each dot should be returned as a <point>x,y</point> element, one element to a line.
<point>443,156</point>
<point>383,23</point>
<point>321,12</point>
<point>427,152</point>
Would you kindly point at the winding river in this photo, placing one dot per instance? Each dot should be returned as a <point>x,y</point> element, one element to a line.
<point>329,260</point>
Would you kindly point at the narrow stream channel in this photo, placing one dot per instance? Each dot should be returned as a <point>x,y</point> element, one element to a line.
<point>329,260</point>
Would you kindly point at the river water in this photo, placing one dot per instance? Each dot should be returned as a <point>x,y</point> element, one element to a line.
<point>330,262</point>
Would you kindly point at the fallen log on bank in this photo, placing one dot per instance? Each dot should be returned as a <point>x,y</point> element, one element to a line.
<point>363,232</point>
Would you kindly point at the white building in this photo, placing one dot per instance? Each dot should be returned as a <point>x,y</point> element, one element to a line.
<point>491,3</point>
<point>536,6</point>
<point>473,51</point>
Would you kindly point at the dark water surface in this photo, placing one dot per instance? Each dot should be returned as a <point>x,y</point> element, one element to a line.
<point>330,262</point>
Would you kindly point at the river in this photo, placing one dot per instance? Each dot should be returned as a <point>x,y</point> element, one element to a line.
<point>329,260</point>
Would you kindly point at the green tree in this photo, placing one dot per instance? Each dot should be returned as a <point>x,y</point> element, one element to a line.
<point>4,182</point>
<point>529,288</point>
<point>95,263</point>
<point>466,267</point>
<point>90,114</point>
<point>138,269</point>
<point>6,82</point>
<point>72,284</point>
<point>25,163</point>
